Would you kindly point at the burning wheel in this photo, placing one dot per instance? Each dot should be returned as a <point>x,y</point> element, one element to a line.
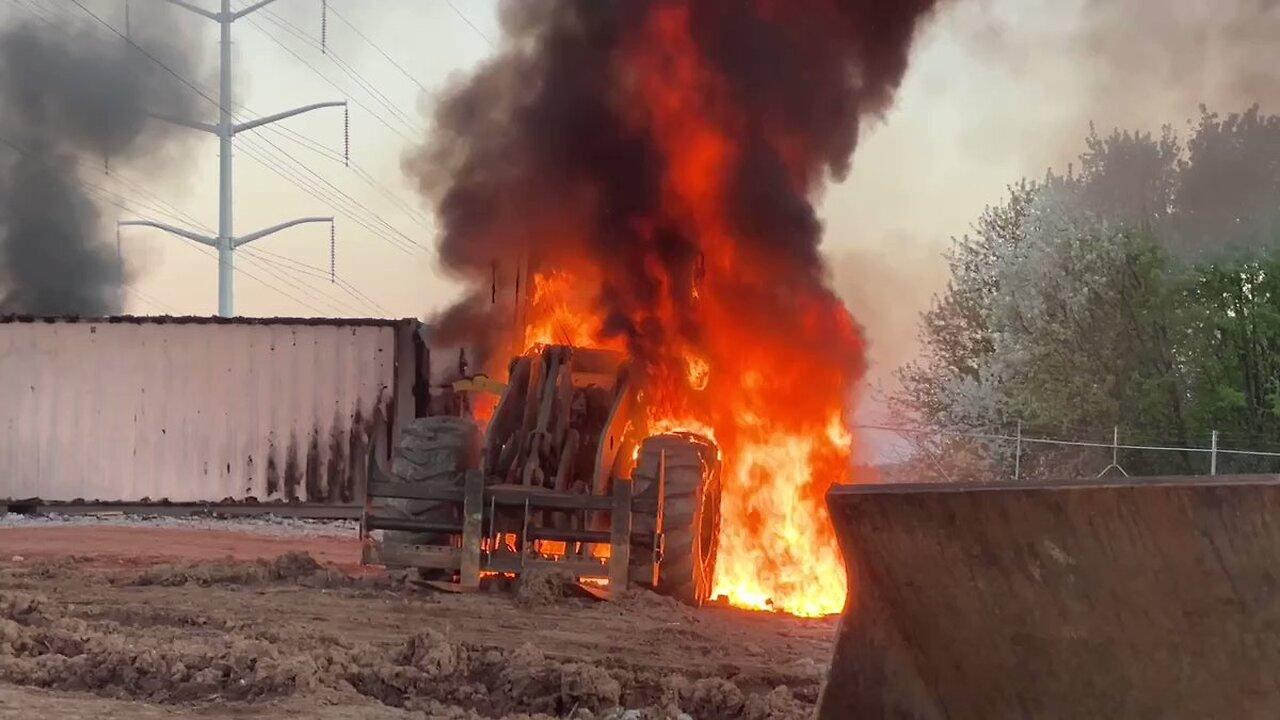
<point>691,522</point>
<point>433,451</point>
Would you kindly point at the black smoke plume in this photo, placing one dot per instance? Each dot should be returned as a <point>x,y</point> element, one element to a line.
<point>76,102</point>
<point>539,154</point>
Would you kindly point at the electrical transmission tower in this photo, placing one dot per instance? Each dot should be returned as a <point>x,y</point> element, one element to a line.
<point>226,242</point>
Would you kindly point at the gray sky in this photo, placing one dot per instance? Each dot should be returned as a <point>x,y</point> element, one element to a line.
<point>998,89</point>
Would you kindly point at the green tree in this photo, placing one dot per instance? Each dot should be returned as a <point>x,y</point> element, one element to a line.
<point>1059,320</point>
<point>1235,350</point>
<point>1228,196</point>
<point>1135,292</point>
<point>1130,178</point>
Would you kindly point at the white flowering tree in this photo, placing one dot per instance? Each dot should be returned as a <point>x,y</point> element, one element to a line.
<point>1137,292</point>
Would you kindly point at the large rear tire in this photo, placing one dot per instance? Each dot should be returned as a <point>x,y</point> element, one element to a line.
<point>433,451</point>
<point>691,522</point>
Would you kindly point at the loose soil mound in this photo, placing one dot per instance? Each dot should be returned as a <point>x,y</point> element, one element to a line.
<point>42,645</point>
<point>296,567</point>
<point>292,633</point>
<point>542,586</point>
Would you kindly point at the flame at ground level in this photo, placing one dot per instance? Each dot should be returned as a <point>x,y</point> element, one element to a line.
<point>777,548</point>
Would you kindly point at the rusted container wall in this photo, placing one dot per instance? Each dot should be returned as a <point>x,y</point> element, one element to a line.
<point>191,409</point>
<point>1151,598</point>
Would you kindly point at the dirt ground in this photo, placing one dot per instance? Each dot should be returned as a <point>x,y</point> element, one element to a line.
<point>197,620</point>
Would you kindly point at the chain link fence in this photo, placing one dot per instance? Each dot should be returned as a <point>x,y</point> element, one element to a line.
<point>957,455</point>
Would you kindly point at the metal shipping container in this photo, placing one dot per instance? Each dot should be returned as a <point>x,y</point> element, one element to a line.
<point>199,409</point>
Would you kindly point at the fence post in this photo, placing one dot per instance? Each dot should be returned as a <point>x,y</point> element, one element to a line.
<point>1017,454</point>
<point>1213,454</point>
<point>1115,446</point>
<point>1115,453</point>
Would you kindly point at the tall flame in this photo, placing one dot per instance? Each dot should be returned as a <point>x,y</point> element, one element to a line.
<point>778,419</point>
<point>649,169</point>
<point>767,398</point>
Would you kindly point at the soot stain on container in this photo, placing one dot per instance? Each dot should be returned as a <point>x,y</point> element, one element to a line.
<point>273,470</point>
<point>336,467</point>
<point>312,470</point>
<point>248,475</point>
<point>357,459</point>
<point>292,473</point>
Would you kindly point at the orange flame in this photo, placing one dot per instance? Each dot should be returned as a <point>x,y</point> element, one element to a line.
<point>774,390</point>
<point>554,317</point>
<point>777,547</point>
<point>768,370</point>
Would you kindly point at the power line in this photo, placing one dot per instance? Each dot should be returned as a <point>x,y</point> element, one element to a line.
<point>146,54</point>
<point>413,214</point>
<point>347,68</point>
<point>417,217</point>
<point>373,90</point>
<point>117,199</point>
<point>375,217</point>
<point>144,204</point>
<point>356,167</point>
<point>32,9</point>
<point>150,300</point>
<point>343,206</point>
<point>207,253</point>
<point>173,213</point>
<point>303,139</point>
<point>226,243</point>
<point>286,27</point>
<point>307,143</point>
<point>315,272</point>
<point>372,215</point>
<point>378,47</point>
<point>321,273</point>
<point>311,188</point>
<point>204,251</point>
<point>167,208</point>
<point>467,20</point>
<point>159,206</point>
<point>359,170</point>
<point>341,307</point>
<point>362,215</point>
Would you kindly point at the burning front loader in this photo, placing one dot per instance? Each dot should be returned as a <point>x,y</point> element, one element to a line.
<point>564,478</point>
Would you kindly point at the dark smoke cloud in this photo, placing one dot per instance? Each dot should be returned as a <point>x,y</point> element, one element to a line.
<point>539,150</point>
<point>73,101</point>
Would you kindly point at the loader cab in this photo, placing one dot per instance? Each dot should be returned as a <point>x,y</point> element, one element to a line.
<point>562,420</point>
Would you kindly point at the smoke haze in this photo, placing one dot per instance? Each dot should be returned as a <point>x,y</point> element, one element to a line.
<point>73,100</point>
<point>1004,89</point>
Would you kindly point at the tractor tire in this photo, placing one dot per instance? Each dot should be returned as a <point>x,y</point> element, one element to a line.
<point>435,451</point>
<point>691,524</point>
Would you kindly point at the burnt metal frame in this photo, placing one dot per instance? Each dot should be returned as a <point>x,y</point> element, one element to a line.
<point>467,555</point>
